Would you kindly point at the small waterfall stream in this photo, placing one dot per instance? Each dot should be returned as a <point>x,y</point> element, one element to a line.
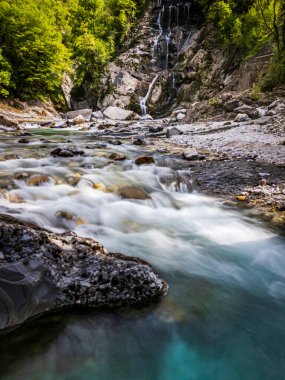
<point>174,30</point>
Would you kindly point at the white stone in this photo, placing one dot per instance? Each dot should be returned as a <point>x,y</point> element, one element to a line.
<point>78,120</point>
<point>97,115</point>
<point>117,113</point>
<point>180,116</point>
<point>85,113</point>
<point>190,154</point>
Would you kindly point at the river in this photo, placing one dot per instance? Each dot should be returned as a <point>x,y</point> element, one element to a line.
<point>223,318</point>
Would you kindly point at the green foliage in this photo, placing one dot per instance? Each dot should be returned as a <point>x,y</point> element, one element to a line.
<point>244,26</point>
<point>5,76</point>
<point>42,39</point>
<point>275,75</point>
<point>213,102</point>
<point>255,94</point>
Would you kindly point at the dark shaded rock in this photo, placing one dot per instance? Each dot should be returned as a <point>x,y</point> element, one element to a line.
<point>24,134</point>
<point>115,142</point>
<point>117,156</point>
<point>67,151</point>
<point>155,128</point>
<point>99,146</point>
<point>232,104</point>
<point>145,160</point>
<point>24,141</point>
<point>41,271</point>
<point>173,132</point>
<point>132,192</point>
<point>139,141</point>
<point>250,111</point>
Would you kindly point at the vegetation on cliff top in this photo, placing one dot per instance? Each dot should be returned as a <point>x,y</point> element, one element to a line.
<point>245,26</point>
<point>42,39</point>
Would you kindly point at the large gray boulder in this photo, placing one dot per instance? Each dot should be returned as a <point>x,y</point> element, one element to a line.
<point>86,113</point>
<point>41,272</point>
<point>117,113</point>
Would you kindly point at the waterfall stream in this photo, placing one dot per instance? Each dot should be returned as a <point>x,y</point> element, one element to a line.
<point>174,31</point>
<point>143,102</point>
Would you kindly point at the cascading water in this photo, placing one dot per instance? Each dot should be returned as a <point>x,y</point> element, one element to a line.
<point>226,305</point>
<point>174,29</point>
<point>143,102</point>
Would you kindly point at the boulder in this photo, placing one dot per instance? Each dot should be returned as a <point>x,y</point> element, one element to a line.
<point>25,140</point>
<point>251,112</point>
<point>139,141</point>
<point>232,104</point>
<point>41,271</point>
<point>37,180</point>
<point>8,122</point>
<point>180,116</point>
<point>97,115</point>
<point>241,117</point>
<point>78,120</point>
<point>117,156</point>
<point>133,192</point>
<point>155,128</point>
<point>144,160</point>
<point>190,154</point>
<point>173,132</point>
<point>117,113</point>
<point>67,151</point>
<point>86,113</point>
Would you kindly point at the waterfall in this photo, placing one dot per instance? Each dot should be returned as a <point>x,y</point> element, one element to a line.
<point>143,102</point>
<point>172,25</point>
<point>167,40</point>
<point>156,41</point>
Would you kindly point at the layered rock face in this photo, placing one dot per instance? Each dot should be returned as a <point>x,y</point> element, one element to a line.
<point>143,78</point>
<point>41,271</point>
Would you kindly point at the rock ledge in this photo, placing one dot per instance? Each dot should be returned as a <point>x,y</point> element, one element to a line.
<point>41,271</point>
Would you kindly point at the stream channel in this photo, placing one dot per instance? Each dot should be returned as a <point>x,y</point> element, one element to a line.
<point>223,318</point>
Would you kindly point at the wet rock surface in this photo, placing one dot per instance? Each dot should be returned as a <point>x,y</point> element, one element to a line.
<point>41,271</point>
<point>67,151</point>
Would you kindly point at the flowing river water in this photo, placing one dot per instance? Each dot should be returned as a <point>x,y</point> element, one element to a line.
<point>223,318</point>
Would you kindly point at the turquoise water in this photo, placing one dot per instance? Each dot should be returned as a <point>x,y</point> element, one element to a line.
<point>223,318</point>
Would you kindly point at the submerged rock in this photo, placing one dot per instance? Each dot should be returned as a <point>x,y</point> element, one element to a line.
<point>144,160</point>
<point>117,156</point>
<point>41,271</point>
<point>133,192</point>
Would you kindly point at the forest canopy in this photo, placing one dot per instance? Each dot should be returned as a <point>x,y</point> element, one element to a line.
<point>42,39</point>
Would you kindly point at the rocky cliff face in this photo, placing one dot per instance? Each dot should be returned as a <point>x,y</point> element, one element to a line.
<point>173,61</point>
<point>143,78</point>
